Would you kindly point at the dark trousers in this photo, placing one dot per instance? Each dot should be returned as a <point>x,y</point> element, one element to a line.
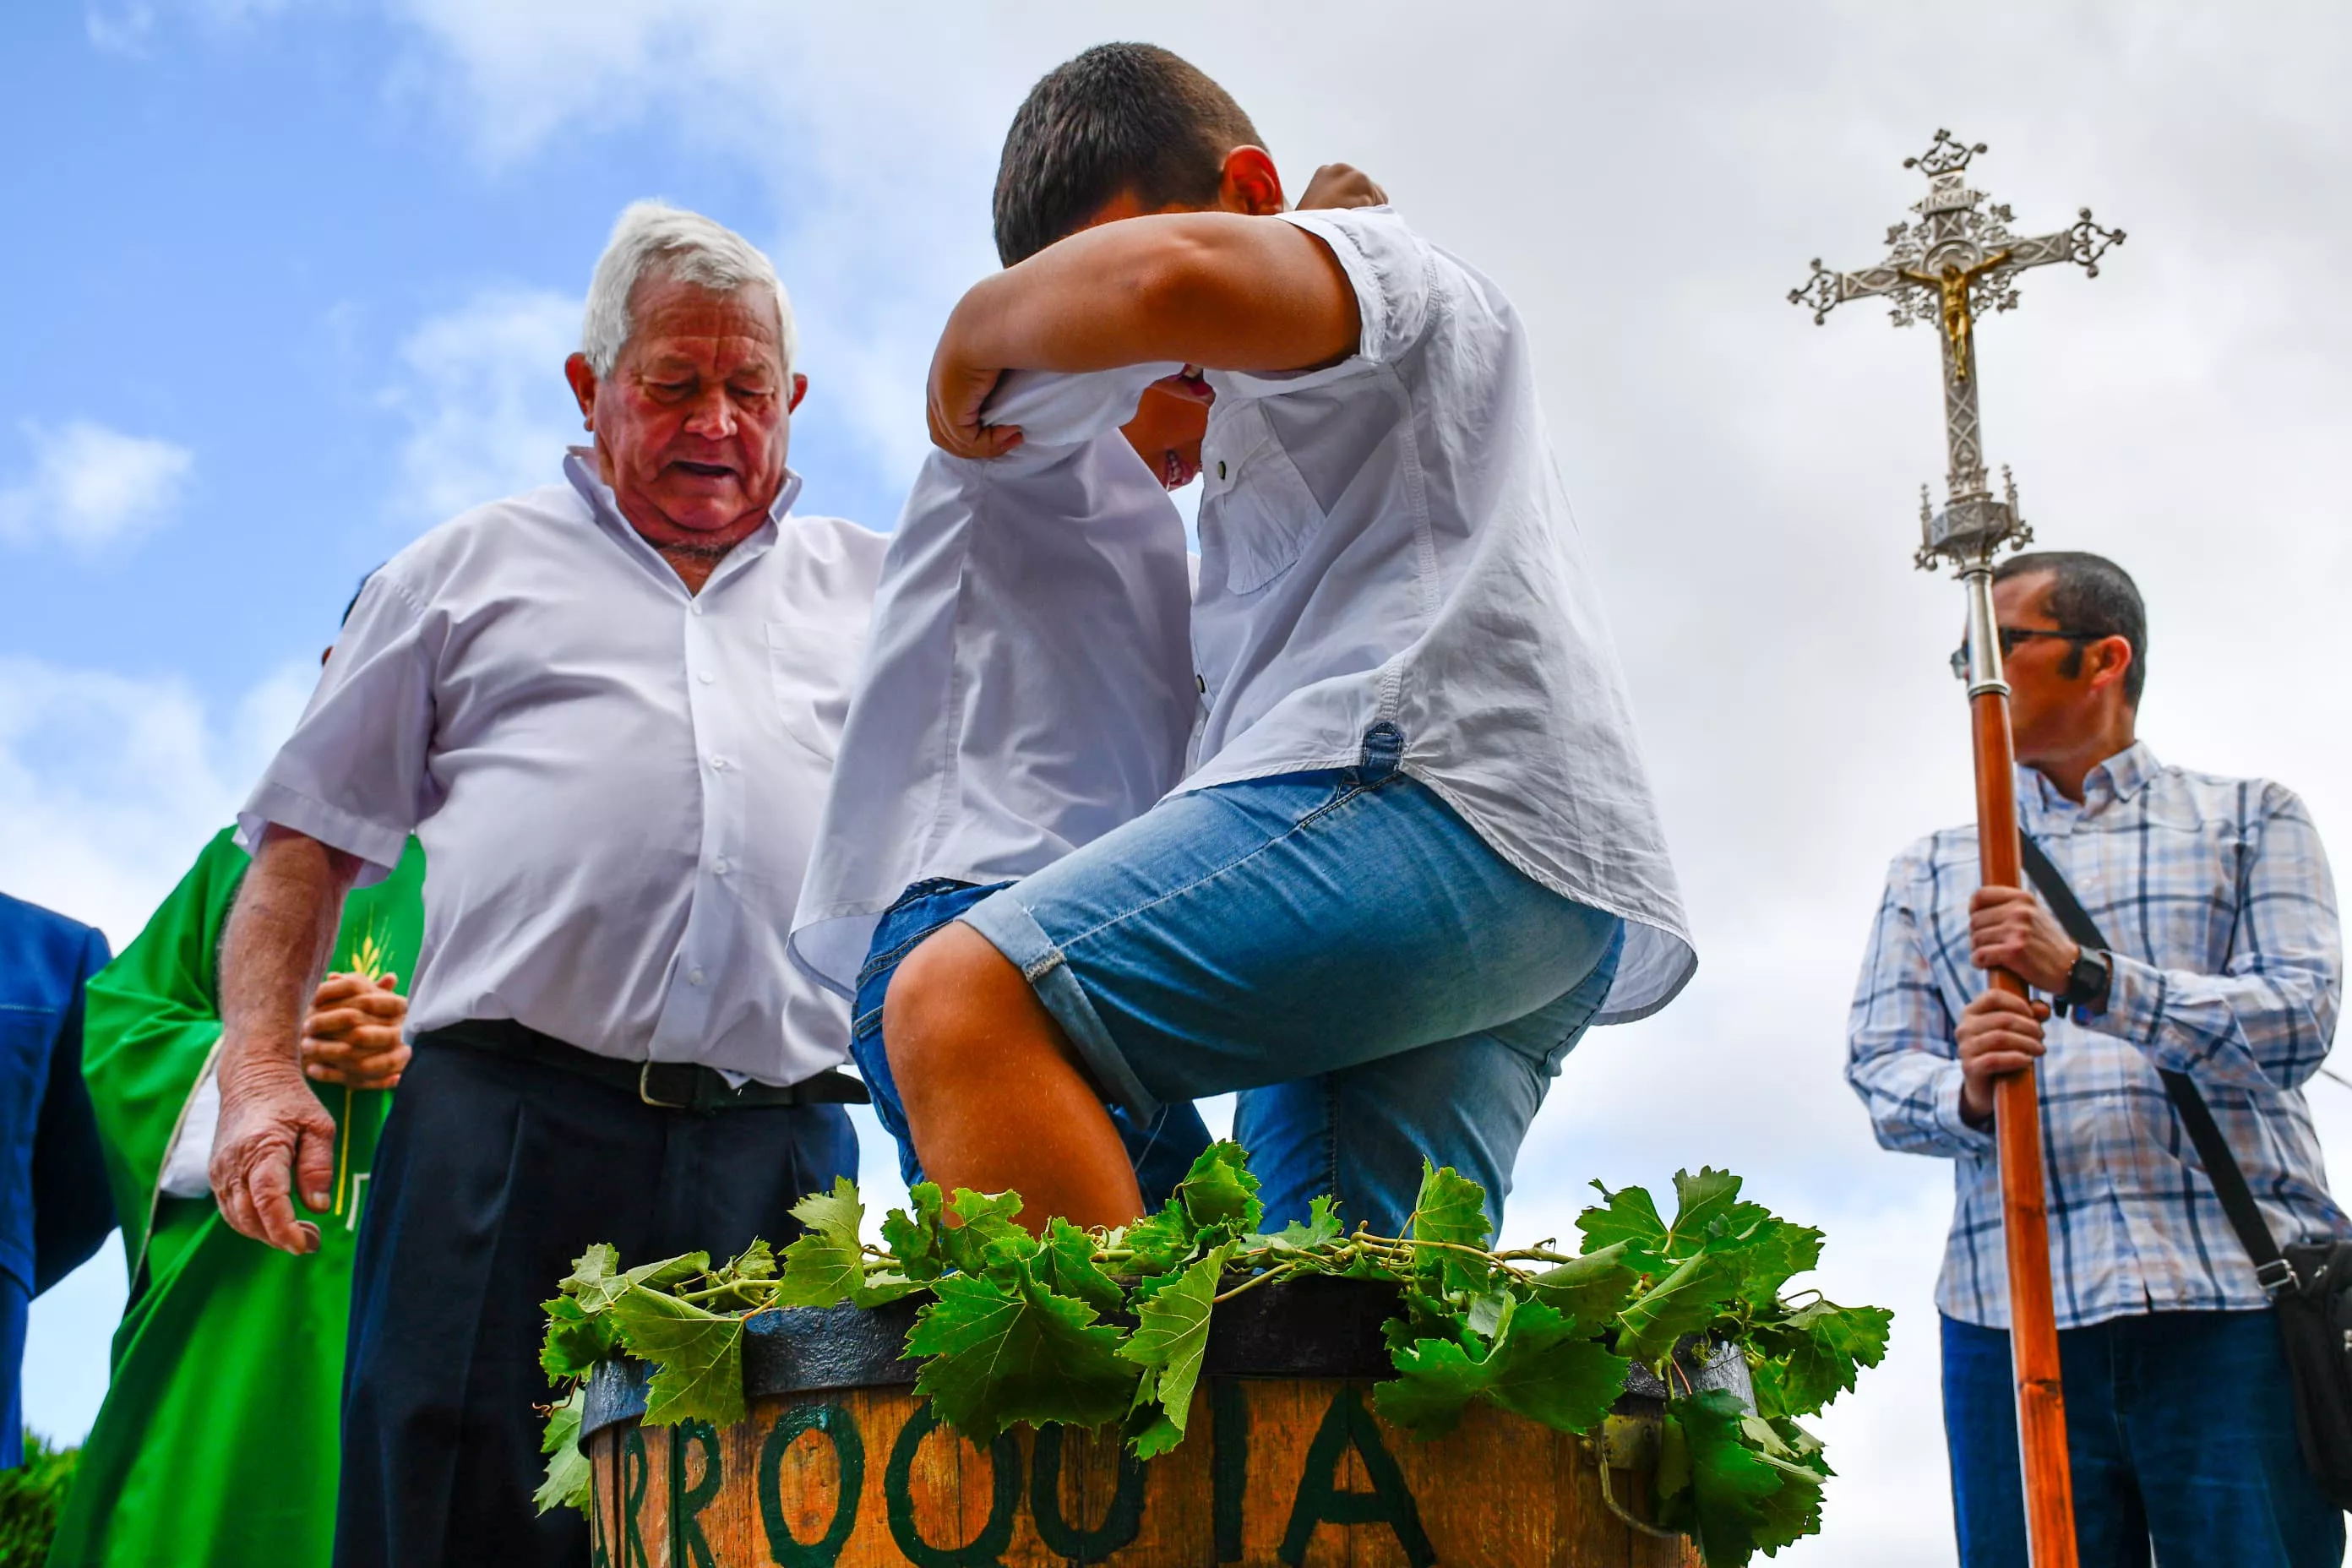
<point>492,1175</point>
<point>2180,1433</point>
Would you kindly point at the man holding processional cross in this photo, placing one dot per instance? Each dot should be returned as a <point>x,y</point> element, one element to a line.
<point>2218,992</point>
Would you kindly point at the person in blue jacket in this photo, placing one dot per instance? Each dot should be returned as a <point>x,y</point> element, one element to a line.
<point>54,1209</point>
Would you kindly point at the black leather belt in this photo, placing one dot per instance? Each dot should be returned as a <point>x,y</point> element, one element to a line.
<point>667,1085</point>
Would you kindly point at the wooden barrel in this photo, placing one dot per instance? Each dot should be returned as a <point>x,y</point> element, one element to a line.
<point>840,1463</point>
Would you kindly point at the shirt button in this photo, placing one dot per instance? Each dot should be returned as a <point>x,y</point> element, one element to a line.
<point>719,866</point>
<point>694,977</point>
<point>719,764</point>
<point>1220,474</point>
<point>706,677</point>
<point>696,605</point>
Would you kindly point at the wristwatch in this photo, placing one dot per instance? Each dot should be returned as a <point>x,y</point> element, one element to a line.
<point>2087,983</point>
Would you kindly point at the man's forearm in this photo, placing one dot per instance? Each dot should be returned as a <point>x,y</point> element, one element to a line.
<point>280,935</point>
<point>1218,290</point>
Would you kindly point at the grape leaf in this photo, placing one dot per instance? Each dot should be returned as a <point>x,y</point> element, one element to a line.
<point>1631,1218</point>
<point>1161,1241</point>
<point>1775,1251</point>
<point>571,1480</point>
<point>1814,1354</point>
<point>1592,1289</point>
<point>757,1261</point>
<point>1065,1266</point>
<point>823,1267</point>
<point>1540,1366</point>
<point>591,1268</point>
<point>1804,1448</point>
<point>1220,1192</point>
<point>1686,1301</point>
<point>1747,1489</point>
<point>595,1284</point>
<point>1319,1228</point>
<point>1171,1338</point>
<point>1451,1210</point>
<point>1012,1351</point>
<point>698,1357</point>
<point>914,1238</point>
<point>576,1341</point>
<point>987,1240</point>
<point>827,1265</point>
<point>1699,1201</point>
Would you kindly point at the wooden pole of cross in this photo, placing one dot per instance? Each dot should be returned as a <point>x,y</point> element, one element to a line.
<point>1957,260</point>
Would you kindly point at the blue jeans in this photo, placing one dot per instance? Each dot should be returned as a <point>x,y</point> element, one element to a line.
<point>1381,985</point>
<point>2179,1431</point>
<point>1162,1146</point>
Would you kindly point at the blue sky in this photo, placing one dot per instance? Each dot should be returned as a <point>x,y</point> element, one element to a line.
<point>291,280</point>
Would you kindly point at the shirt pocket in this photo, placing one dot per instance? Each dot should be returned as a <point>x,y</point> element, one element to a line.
<point>811,668</point>
<point>1254,499</point>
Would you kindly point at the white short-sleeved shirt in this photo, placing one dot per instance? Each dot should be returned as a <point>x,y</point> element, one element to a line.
<point>616,782</point>
<point>1388,539</point>
<point>1029,683</point>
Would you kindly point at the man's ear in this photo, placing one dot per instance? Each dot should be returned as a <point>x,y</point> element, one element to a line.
<point>1250,183</point>
<point>2111,660</point>
<point>583,387</point>
<point>800,390</point>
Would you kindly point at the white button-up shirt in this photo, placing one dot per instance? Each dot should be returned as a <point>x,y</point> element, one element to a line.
<point>1388,538</point>
<point>1029,684</point>
<point>616,782</point>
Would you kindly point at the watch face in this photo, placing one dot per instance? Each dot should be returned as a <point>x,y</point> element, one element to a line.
<point>2086,980</point>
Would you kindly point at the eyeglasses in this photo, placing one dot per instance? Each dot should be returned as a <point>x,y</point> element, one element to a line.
<point>2010,637</point>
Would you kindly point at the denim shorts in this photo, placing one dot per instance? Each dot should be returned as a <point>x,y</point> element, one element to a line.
<point>1340,947</point>
<point>1162,1145</point>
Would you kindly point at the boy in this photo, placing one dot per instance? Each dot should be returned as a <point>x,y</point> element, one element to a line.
<point>1028,687</point>
<point>1418,856</point>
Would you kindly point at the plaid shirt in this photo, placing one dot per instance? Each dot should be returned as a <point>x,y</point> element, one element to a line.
<point>2228,967</point>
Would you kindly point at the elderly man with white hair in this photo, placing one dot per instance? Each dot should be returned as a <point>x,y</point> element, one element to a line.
<point>608,709</point>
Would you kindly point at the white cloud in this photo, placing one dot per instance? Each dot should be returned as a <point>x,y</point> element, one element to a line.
<point>489,412</point>
<point>122,32</point>
<point>93,488</point>
<point>111,783</point>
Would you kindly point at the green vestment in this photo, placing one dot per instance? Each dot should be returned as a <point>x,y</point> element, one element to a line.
<point>218,1441</point>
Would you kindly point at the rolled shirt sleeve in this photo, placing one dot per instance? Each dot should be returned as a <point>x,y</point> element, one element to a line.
<point>352,776</point>
<point>1900,1055</point>
<point>2266,1021</point>
<point>1388,265</point>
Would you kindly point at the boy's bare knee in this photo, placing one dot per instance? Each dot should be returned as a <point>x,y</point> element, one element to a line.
<point>940,999</point>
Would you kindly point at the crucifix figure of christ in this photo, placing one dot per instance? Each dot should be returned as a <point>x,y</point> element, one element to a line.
<point>1957,261</point>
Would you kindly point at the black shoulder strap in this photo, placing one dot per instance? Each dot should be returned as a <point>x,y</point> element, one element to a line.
<point>2196,1116</point>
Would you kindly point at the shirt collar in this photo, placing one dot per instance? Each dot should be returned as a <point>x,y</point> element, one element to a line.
<point>2125,772</point>
<point>2120,777</point>
<point>580,467</point>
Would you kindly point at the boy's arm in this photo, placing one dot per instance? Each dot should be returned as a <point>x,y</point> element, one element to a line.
<point>1218,290</point>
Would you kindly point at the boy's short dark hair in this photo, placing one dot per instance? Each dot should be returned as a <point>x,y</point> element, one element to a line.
<point>2092,594</point>
<point>1120,117</point>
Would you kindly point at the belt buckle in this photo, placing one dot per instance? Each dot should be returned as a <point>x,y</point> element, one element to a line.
<point>644,1073</point>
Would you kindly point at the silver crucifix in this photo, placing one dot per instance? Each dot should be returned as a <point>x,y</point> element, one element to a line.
<point>1946,269</point>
